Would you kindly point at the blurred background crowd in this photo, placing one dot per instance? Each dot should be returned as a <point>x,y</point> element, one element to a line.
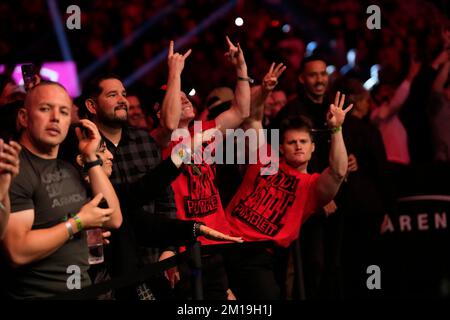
<point>397,76</point>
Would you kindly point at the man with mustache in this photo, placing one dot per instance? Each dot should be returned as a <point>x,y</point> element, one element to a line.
<point>135,153</point>
<point>44,240</point>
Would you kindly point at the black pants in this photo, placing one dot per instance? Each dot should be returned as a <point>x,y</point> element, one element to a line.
<point>251,273</point>
<point>214,278</point>
<point>320,246</point>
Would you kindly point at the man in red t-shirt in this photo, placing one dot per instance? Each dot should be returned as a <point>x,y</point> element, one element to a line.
<point>271,206</point>
<point>196,195</point>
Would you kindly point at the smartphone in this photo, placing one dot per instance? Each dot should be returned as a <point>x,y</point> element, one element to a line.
<point>28,75</point>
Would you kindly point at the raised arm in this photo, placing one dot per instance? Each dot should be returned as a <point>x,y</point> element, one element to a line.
<point>240,108</point>
<point>387,110</point>
<point>100,182</point>
<point>171,106</point>
<point>9,168</point>
<point>402,93</point>
<point>332,177</point>
<point>259,95</point>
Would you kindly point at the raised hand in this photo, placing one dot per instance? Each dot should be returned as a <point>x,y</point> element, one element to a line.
<point>92,216</point>
<point>9,157</point>
<point>89,140</point>
<point>336,113</point>
<point>9,165</point>
<point>235,55</point>
<point>270,80</point>
<point>176,60</point>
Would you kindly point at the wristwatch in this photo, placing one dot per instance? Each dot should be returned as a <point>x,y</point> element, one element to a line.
<point>88,165</point>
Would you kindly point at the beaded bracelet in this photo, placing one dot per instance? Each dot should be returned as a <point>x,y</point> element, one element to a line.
<point>336,130</point>
<point>196,229</point>
<point>78,222</point>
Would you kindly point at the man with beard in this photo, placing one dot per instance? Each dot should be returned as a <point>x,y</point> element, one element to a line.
<point>135,154</point>
<point>44,239</point>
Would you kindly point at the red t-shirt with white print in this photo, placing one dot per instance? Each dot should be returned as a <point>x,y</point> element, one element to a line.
<point>272,207</point>
<point>196,196</point>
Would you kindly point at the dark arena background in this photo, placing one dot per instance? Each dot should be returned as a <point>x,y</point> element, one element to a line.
<point>386,235</point>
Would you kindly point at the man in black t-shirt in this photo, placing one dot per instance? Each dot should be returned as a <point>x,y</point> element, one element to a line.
<point>44,241</point>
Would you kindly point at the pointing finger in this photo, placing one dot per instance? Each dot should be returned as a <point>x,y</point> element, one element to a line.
<point>187,54</point>
<point>271,67</point>
<point>341,103</point>
<point>336,98</point>
<point>280,70</point>
<point>278,67</point>
<point>239,48</point>
<point>348,108</point>
<point>230,44</point>
<point>171,44</point>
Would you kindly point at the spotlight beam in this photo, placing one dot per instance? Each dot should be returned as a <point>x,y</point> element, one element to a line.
<point>59,29</point>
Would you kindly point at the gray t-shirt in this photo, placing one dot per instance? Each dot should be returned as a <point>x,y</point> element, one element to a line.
<point>54,189</point>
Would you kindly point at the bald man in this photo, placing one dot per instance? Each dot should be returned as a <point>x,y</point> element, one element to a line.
<point>44,239</point>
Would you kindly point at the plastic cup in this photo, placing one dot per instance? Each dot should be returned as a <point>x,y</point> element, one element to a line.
<point>95,245</point>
